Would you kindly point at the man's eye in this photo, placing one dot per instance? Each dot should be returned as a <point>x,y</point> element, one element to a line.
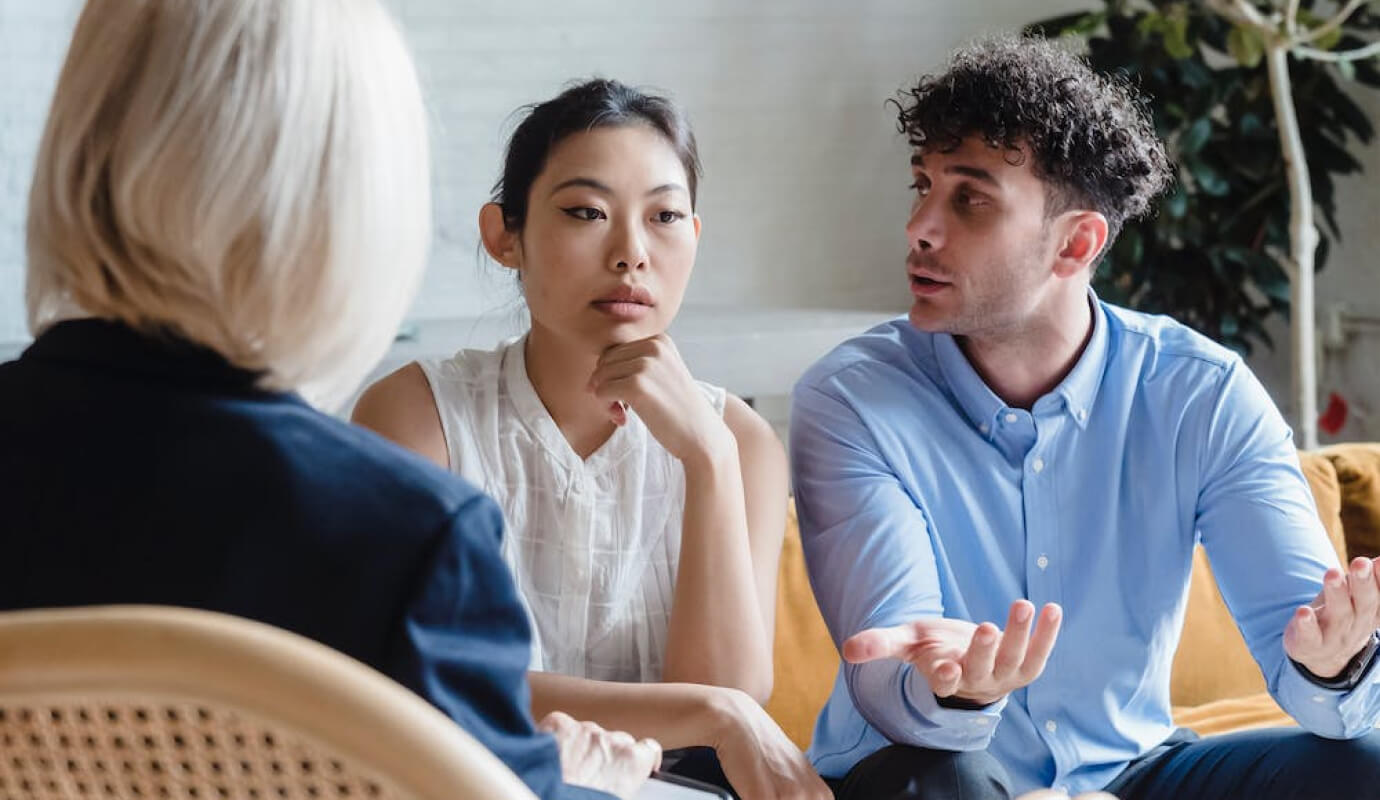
<point>922,188</point>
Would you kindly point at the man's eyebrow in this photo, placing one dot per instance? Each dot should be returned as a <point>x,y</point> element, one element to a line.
<point>976,173</point>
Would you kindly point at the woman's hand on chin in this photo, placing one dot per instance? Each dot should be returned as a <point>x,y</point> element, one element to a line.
<point>649,377</point>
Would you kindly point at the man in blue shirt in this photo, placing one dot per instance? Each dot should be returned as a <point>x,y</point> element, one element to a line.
<point>1018,452</point>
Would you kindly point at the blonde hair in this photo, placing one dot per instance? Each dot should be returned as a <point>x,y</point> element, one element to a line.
<point>252,175</point>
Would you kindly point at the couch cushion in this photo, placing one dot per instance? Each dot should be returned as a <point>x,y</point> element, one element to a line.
<point>1213,662</point>
<point>1233,714</point>
<point>1358,473</point>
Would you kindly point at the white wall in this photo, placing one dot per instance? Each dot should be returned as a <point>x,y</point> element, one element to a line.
<point>803,197</point>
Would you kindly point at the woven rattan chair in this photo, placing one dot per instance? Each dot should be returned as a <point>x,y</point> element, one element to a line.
<point>152,703</point>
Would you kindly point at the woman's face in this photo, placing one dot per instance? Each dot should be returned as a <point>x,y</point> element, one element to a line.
<point>610,238</point>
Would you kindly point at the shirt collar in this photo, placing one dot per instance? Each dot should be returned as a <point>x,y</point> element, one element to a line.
<point>1078,389</point>
<point>113,346</point>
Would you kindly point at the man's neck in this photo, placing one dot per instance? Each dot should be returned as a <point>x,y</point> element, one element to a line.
<point>1022,365</point>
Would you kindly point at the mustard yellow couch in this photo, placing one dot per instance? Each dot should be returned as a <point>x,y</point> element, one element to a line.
<point>1216,686</point>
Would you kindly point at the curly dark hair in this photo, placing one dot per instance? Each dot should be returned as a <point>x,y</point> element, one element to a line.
<point>1091,135</point>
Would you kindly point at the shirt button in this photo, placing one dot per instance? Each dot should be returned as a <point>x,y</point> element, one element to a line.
<point>1042,562</point>
<point>979,721</point>
<point>1079,414</point>
<point>1011,418</point>
<point>984,427</point>
<point>1317,698</point>
<point>1051,725</point>
<point>1038,464</point>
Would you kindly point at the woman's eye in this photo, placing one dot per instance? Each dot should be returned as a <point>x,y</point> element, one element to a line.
<point>668,217</point>
<point>584,212</point>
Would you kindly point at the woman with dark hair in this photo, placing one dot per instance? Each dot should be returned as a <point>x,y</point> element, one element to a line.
<point>645,509</point>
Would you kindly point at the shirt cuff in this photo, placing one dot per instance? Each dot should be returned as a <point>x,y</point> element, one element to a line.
<point>1350,676</point>
<point>962,729</point>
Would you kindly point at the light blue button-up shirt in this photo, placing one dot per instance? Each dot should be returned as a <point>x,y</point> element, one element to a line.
<point>922,494</point>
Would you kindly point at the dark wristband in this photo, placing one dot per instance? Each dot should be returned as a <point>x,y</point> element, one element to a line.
<point>959,704</point>
<point>1351,675</point>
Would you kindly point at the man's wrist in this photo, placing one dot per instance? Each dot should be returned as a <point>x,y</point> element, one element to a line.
<point>1351,674</point>
<point>957,703</point>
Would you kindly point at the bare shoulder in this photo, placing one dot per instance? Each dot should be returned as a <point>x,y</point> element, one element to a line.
<point>754,434</point>
<point>400,407</point>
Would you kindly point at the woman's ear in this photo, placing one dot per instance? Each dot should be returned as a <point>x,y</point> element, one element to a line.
<point>503,245</point>
<point>697,226</point>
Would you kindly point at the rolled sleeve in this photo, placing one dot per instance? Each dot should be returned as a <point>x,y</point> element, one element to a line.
<point>871,562</point>
<point>1259,524</point>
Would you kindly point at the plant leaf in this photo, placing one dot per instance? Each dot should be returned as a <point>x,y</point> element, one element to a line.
<point>1245,46</point>
<point>1195,137</point>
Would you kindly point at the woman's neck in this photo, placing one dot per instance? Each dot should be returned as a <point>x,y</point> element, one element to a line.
<point>559,371</point>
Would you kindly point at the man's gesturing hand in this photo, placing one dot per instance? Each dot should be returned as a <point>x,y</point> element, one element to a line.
<point>977,663</point>
<point>1325,635</point>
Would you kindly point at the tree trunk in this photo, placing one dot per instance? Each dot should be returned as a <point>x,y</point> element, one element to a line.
<point>1303,243</point>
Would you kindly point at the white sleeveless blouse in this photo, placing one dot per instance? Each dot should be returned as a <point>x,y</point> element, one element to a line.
<point>593,545</point>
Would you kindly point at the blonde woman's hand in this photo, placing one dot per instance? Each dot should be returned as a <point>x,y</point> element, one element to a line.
<point>758,758</point>
<point>610,761</point>
<point>649,376</point>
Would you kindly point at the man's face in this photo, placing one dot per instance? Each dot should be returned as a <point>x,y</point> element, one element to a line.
<point>980,245</point>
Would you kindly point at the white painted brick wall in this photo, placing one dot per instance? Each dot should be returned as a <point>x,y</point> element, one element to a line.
<point>803,197</point>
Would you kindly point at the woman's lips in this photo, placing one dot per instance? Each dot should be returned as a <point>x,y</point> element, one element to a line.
<point>625,303</point>
<point>622,309</point>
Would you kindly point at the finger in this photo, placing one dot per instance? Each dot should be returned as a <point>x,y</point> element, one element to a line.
<point>649,753</point>
<point>1303,635</point>
<point>610,373</point>
<point>1337,617</point>
<point>1041,642</point>
<point>624,351</point>
<point>944,678</point>
<point>875,644</point>
<point>1375,576</point>
<point>1014,640</point>
<point>982,652</point>
<point>1365,597</point>
<point>555,721</point>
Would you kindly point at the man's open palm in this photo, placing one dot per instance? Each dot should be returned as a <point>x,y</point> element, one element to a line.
<point>977,663</point>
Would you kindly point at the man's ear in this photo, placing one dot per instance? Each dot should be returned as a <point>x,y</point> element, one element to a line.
<point>1084,234</point>
<point>503,245</point>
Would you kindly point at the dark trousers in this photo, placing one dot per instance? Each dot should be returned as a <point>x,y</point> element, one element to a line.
<point>1269,764</point>
<point>699,763</point>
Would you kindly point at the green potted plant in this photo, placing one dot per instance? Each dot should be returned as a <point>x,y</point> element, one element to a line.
<point>1248,96</point>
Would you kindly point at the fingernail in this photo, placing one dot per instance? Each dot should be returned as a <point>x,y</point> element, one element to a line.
<point>1023,613</point>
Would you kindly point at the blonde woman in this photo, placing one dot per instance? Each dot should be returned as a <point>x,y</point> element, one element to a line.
<point>230,213</point>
